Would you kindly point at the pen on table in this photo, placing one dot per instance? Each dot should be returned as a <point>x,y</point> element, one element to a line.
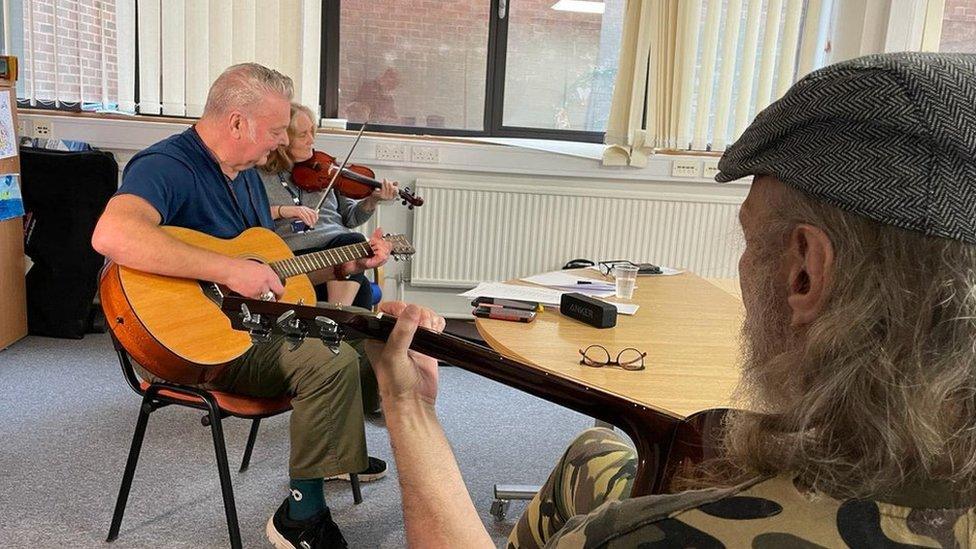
<point>583,282</point>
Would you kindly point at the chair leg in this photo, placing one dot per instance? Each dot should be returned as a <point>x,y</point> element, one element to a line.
<point>357,495</point>
<point>250,445</point>
<point>130,467</point>
<point>223,469</point>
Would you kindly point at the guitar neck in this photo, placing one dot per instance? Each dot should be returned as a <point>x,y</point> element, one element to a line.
<point>306,263</point>
<point>650,429</point>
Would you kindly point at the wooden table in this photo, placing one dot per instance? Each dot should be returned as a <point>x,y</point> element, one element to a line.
<point>689,329</point>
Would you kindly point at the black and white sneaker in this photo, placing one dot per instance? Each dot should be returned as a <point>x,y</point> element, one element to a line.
<point>375,471</point>
<point>318,532</point>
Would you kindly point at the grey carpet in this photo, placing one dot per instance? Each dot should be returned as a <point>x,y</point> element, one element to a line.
<point>66,421</point>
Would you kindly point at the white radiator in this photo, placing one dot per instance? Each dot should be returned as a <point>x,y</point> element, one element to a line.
<point>465,234</point>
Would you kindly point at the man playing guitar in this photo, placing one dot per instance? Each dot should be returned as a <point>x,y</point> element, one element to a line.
<point>204,179</point>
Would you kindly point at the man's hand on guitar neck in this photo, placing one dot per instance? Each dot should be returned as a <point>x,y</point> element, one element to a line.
<point>381,254</point>
<point>437,509</point>
<point>252,279</point>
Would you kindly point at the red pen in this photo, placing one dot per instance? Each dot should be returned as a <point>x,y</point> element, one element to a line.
<point>499,313</point>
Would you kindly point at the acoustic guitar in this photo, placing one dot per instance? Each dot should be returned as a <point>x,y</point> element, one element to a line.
<point>173,327</point>
<point>665,445</point>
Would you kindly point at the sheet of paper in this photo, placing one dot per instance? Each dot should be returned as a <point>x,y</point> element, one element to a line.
<point>514,291</point>
<point>566,282</point>
<point>624,308</point>
<point>11,204</point>
<point>546,296</point>
<point>8,139</point>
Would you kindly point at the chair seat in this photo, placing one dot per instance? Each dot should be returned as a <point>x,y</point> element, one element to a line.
<point>234,404</point>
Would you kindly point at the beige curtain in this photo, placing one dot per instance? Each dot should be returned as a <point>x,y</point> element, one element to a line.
<point>694,73</point>
<point>647,51</point>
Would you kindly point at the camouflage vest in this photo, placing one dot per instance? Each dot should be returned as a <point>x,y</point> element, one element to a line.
<point>773,513</point>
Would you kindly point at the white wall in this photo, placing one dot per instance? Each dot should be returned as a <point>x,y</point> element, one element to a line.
<point>481,165</point>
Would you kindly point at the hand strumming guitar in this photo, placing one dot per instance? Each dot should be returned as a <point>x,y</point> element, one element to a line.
<point>252,279</point>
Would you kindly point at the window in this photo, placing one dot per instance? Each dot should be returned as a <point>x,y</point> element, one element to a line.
<point>68,51</point>
<point>413,64</point>
<point>561,63</point>
<point>519,68</point>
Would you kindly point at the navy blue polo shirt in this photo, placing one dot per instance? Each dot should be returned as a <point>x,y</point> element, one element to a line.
<point>182,180</point>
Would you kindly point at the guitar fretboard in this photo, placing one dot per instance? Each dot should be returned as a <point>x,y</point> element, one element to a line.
<point>304,264</point>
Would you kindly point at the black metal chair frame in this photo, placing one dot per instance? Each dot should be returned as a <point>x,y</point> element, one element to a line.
<point>152,400</point>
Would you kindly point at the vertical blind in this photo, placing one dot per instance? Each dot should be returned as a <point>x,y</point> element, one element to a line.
<point>694,73</point>
<point>185,44</point>
<point>765,47</point>
<point>69,56</point>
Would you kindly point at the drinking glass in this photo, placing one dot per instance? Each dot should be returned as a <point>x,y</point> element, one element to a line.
<point>626,278</point>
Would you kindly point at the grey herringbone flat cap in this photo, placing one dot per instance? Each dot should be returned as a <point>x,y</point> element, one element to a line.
<point>889,137</point>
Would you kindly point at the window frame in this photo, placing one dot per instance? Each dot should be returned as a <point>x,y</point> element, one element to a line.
<point>494,85</point>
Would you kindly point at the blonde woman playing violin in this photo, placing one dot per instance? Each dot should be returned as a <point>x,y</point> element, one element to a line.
<point>293,210</point>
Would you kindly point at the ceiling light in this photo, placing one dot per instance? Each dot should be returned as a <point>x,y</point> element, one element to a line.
<point>581,6</point>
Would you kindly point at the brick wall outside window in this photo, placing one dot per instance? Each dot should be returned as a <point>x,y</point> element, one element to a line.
<point>959,26</point>
<point>434,53</point>
<point>66,47</point>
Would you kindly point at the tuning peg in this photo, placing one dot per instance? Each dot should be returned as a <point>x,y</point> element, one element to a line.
<point>256,327</point>
<point>293,328</point>
<point>329,333</point>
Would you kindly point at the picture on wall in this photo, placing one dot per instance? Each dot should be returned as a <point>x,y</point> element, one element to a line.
<point>11,203</point>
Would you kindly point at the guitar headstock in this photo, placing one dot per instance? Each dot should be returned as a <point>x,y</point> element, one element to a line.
<point>262,319</point>
<point>402,248</point>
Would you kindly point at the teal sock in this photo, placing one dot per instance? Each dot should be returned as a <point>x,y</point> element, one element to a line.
<point>307,498</point>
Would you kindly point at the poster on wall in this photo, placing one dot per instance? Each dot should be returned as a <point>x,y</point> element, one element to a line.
<point>11,203</point>
<point>8,138</point>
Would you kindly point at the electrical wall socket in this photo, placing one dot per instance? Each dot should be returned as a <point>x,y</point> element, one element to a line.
<point>427,155</point>
<point>24,127</point>
<point>686,168</point>
<point>390,151</point>
<point>43,129</point>
<point>711,169</point>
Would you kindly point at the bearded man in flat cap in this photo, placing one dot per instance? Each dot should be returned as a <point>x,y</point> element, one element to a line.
<point>859,285</point>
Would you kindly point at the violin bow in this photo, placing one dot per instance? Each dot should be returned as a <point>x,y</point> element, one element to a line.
<point>342,166</point>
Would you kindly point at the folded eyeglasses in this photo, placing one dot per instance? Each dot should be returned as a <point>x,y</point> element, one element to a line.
<point>597,356</point>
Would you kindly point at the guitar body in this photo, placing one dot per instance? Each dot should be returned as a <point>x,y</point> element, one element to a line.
<point>170,326</point>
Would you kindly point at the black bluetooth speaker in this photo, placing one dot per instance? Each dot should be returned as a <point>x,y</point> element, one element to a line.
<point>589,310</point>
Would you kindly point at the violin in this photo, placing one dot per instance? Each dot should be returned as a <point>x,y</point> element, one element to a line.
<point>355,180</point>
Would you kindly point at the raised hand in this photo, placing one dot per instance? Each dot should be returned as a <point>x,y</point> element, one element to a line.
<point>400,372</point>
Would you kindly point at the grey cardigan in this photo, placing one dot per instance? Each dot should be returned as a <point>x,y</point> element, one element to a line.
<point>338,214</point>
